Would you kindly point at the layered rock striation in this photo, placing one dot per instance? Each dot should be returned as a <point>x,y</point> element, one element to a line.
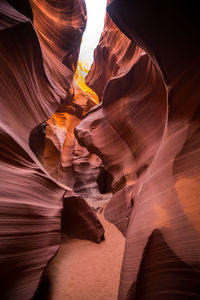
<point>62,157</point>
<point>112,59</point>
<point>144,135</point>
<point>146,131</point>
<point>35,76</point>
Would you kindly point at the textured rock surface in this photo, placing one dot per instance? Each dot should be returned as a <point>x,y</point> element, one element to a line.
<point>148,139</point>
<point>78,221</point>
<point>60,26</point>
<point>62,157</point>
<point>111,59</point>
<point>31,201</point>
<point>145,132</point>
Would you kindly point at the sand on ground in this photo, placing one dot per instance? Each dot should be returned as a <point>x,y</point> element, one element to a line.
<point>83,270</point>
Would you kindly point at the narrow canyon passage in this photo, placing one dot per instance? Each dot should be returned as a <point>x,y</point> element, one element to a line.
<point>77,269</point>
<point>99,150</point>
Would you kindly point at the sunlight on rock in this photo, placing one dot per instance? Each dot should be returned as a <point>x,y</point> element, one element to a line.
<point>81,72</point>
<point>95,21</point>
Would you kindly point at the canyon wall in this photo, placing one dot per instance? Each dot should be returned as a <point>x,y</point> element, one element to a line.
<point>63,158</point>
<point>146,132</point>
<point>36,69</point>
<point>144,135</point>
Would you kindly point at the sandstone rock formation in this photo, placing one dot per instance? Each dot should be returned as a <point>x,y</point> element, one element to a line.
<point>31,201</point>
<point>146,131</point>
<point>62,157</point>
<point>60,26</point>
<point>111,59</point>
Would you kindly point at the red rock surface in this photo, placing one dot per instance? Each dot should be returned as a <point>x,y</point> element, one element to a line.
<point>31,201</point>
<point>111,58</point>
<point>60,26</point>
<point>145,133</point>
<point>62,157</point>
<point>148,138</point>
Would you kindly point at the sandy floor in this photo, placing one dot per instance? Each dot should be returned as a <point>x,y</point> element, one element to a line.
<point>83,270</point>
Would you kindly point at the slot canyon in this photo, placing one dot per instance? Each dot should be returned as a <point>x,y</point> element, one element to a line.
<point>100,156</point>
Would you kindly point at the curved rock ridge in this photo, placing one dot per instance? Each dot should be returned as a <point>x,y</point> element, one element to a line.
<point>60,36</point>
<point>119,141</point>
<point>60,26</point>
<point>147,24</point>
<point>31,205</point>
<point>31,201</point>
<point>148,139</point>
<point>77,220</point>
<point>60,144</point>
<point>113,57</point>
<point>64,158</point>
<point>36,100</point>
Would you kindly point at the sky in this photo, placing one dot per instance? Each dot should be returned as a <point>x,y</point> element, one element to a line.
<point>95,13</point>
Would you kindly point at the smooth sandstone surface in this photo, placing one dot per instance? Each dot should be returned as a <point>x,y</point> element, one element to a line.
<point>145,134</point>
<point>31,200</point>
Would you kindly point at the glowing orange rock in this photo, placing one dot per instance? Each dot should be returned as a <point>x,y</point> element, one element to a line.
<point>80,74</point>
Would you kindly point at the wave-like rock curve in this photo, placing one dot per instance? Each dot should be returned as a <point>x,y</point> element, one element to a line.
<point>31,201</point>
<point>148,139</point>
